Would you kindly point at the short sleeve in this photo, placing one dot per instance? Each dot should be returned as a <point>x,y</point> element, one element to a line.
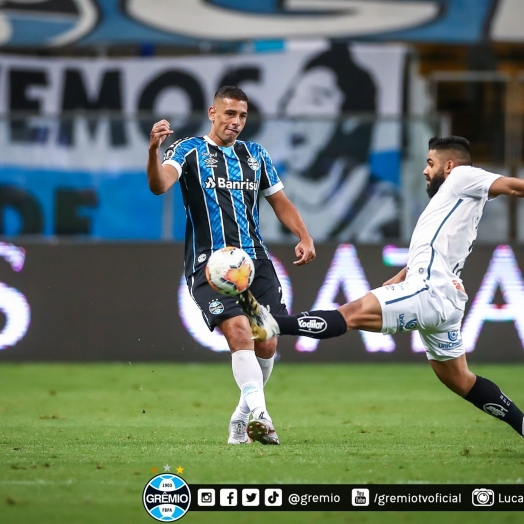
<point>270,183</point>
<point>472,182</point>
<point>176,154</point>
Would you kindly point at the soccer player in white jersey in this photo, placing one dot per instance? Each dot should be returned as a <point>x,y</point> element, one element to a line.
<point>428,294</point>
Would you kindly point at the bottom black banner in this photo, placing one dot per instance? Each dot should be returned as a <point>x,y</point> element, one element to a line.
<point>349,497</point>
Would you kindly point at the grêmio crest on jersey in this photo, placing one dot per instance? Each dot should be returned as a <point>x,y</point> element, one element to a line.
<point>253,163</point>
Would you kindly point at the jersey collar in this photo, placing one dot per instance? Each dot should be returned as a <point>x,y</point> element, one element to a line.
<point>209,141</point>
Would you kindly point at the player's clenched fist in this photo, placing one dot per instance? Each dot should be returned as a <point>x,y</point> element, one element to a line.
<point>159,132</point>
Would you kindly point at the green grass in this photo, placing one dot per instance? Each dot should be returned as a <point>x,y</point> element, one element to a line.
<point>78,442</point>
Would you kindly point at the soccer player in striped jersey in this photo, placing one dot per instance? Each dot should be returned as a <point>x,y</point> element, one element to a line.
<point>428,294</point>
<point>220,178</point>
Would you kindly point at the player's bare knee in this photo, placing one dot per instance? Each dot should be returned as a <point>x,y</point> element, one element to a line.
<point>237,333</point>
<point>351,313</point>
<point>266,349</point>
<point>458,381</point>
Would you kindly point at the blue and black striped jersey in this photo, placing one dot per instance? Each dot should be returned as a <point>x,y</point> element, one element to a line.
<point>220,188</point>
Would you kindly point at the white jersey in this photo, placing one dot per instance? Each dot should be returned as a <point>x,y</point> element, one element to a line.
<point>446,230</point>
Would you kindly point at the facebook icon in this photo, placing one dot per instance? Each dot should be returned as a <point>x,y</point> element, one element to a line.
<point>228,497</point>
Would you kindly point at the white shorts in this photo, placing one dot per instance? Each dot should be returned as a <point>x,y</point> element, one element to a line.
<point>414,305</point>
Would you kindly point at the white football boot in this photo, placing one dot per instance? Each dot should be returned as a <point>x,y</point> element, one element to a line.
<point>263,325</point>
<point>238,432</point>
<point>262,430</point>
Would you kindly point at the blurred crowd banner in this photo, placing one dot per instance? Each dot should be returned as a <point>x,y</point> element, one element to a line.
<point>191,22</point>
<point>74,137</point>
<point>129,302</point>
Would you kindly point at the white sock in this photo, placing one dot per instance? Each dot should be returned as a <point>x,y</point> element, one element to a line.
<point>242,411</point>
<point>266,364</point>
<point>249,378</point>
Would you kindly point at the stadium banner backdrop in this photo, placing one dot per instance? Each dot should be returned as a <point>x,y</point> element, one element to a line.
<point>51,23</point>
<point>86,175</point>
<point>129,302</point>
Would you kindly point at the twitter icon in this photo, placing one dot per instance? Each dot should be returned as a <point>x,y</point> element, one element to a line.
<point>250,497</point>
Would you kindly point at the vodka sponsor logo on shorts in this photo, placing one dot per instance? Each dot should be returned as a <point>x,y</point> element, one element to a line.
<point>495,409</point>
<point>222,183</point>
<point>312,324</point>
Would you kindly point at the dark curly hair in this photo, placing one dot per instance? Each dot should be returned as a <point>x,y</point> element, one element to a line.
<point>456,144</point>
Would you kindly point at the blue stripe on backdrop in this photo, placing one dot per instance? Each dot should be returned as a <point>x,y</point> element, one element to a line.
<point>34,30</point>
<point>126,209</point>
<point>461,21</point>
<point>260,6</point>
<point>385,165</point>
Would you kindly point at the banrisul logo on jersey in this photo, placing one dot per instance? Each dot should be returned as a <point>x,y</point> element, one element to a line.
<point>167,497</point>
<point>223,183</point>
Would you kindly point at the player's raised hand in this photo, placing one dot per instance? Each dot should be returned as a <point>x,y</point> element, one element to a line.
<point>160,131</point>
<point>305,252</point>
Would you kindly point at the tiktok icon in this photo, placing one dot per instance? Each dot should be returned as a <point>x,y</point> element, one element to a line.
<point>273,497</point>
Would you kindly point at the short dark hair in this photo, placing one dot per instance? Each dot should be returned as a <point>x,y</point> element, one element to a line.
<point>233,92</point>
<point>457,144</point>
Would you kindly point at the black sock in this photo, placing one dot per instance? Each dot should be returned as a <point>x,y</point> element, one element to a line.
<point>314,324</point>
<point>487,396</point>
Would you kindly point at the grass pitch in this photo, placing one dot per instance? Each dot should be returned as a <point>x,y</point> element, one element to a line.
<point>79,442</point>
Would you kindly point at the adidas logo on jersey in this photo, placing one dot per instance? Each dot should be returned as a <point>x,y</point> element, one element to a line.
<point>222,183</point>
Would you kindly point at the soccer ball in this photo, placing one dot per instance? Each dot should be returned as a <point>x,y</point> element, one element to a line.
<point>230,271</point>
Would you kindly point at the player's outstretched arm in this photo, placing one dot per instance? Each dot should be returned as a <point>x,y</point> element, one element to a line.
<point>288,215</point>
<point>399,277</point>
<point>507,186</point>
<point>160,177</point>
